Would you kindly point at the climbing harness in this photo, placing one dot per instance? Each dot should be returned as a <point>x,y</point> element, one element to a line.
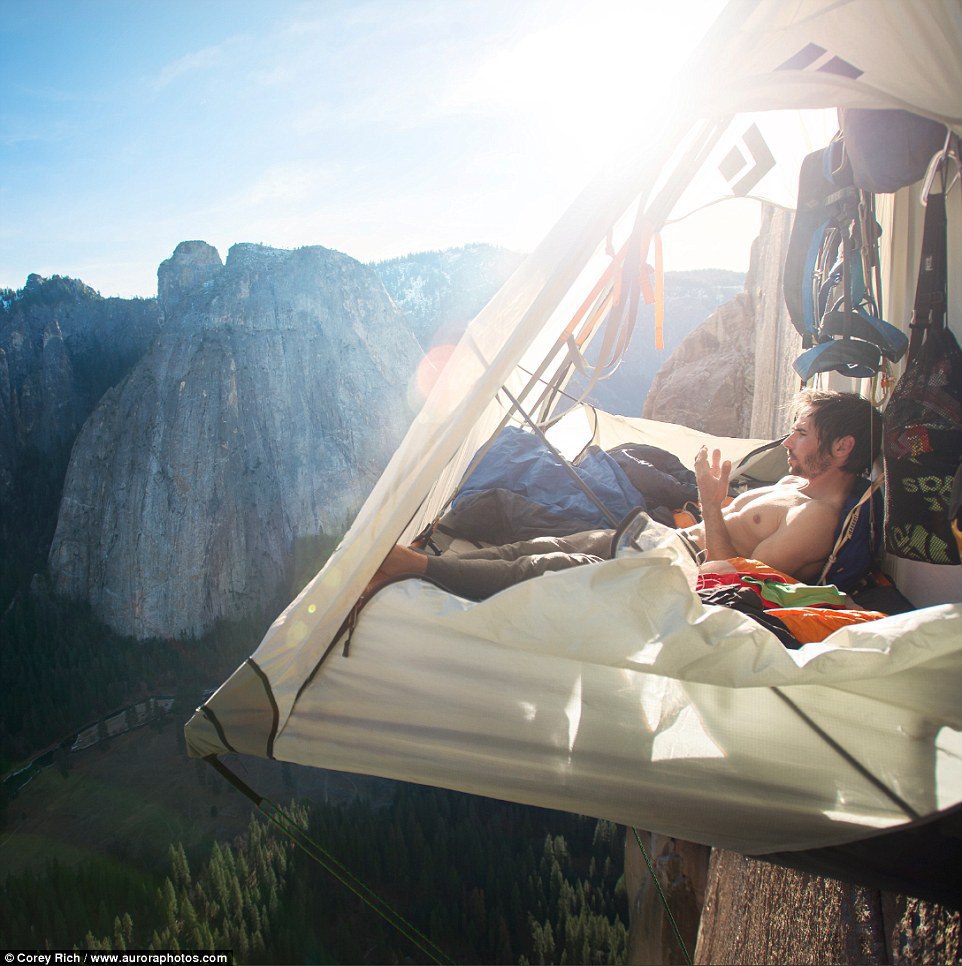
<point>832,273</point>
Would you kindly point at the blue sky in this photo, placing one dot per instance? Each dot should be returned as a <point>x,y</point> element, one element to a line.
<point>376,127</point>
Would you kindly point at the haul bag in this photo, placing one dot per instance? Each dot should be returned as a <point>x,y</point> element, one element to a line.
<point>922,446</point>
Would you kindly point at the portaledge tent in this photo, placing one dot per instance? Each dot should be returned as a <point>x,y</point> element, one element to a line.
<point>611,690</point>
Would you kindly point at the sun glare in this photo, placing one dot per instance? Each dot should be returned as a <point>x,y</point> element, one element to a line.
<point>602,62</point>
<point>584,82</point>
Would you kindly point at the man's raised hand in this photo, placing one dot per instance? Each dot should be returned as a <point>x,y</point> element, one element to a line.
<point>712,478</point>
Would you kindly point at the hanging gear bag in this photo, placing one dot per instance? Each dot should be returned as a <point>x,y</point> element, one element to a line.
<point>922,443</point>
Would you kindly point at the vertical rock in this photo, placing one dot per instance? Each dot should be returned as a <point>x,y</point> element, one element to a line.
<point>682,870</point>
<point>709,380</point>
<point>777,343</point>
<point>9,419</point>
<point>60,405</point>
<point>262,415</point>
<point>732,375</point>
<point>759,913</point>
<point>193,265</point>
<point>62,345</point>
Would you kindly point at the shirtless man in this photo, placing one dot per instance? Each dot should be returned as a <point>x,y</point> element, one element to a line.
<point>790,525</point>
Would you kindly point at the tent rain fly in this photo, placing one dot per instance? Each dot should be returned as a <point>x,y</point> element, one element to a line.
<point>611,690</point>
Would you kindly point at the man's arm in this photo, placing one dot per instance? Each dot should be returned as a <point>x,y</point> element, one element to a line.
<point>712,479</point>
<point>801,545</point>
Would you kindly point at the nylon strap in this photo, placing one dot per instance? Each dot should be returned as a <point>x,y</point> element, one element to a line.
<point>848,527</point>
<point>929,311</point>
<point>659,294</point>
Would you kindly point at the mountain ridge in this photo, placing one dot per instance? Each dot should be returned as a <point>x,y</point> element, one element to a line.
<point>269,390</point>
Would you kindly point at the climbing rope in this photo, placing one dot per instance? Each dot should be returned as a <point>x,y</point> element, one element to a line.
<point>277,817</point>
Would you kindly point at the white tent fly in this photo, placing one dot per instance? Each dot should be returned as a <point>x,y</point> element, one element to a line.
<point>612,690</point>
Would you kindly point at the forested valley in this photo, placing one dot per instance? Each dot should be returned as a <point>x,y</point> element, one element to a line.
<point>128,845</point>
<point>474,880</point>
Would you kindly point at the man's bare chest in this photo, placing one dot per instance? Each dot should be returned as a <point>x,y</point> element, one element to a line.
<point>755,517</point>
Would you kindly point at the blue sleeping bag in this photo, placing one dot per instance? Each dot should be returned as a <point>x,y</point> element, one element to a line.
<point>521,464</point>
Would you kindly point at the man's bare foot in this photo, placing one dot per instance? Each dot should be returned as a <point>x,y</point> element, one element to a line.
<point>403,560</point>
<point>399,561</point>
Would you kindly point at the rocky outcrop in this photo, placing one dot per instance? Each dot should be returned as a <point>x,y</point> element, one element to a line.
<point>690,298</point>
<point>681,869</point>
<point>735,909</point>
<point>759,913</point>
<point>262,414</point>
<point>724,378</point>
<point>709,380</point>
<point>61,346</point>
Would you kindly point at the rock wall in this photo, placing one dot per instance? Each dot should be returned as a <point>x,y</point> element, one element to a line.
<point>262,414</point>
<point>759,913</point>
<point>776,341</point>
<point>681,869</point>
<point>61,346</point>
<point>690,297</point>
<point>709,381</point>
<point>731,375</point>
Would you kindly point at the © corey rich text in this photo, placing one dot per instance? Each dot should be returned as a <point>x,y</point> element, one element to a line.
<point>53,957</point>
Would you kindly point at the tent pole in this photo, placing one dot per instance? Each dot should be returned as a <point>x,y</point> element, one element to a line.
<point>588,492</point>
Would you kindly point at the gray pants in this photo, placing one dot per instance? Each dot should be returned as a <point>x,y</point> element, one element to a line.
<point>477,574</point>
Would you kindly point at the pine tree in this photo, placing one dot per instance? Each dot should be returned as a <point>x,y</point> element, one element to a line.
<point>179,867</point>
<point>127,928</point>
<point>167,898</point>
<point>119,943</point>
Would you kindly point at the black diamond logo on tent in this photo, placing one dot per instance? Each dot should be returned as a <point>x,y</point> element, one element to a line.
<point>753,151</point>
<point>812,57</point>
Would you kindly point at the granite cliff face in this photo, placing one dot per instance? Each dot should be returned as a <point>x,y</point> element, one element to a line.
<point>718,359</point>
<point>690,298</point>
<point>61,346</point>
<point>722,377</point>
<point>262,414</point>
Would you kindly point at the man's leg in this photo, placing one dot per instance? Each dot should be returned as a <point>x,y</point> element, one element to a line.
<point>596,543</point>
<point>480,578</point>
<point>478,574</point>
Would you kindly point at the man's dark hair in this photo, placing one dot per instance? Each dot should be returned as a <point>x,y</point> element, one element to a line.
<point>836,414</point>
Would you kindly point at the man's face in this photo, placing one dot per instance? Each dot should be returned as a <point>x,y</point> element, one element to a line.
<point>805,457</point>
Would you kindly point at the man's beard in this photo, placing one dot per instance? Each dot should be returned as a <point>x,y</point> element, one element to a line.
<point>811,466</point>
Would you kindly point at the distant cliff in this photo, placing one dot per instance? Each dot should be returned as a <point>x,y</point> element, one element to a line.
<point>690,297</point>
<point>263,413</point>
<point>229,426</point>
<point>725,376</point>
<point>440,292</point>
<point>61,346</point>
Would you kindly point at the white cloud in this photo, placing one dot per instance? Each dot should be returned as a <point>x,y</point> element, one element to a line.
<point>205,59</point>
<point>284,182</point>
<point>277,75</point>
